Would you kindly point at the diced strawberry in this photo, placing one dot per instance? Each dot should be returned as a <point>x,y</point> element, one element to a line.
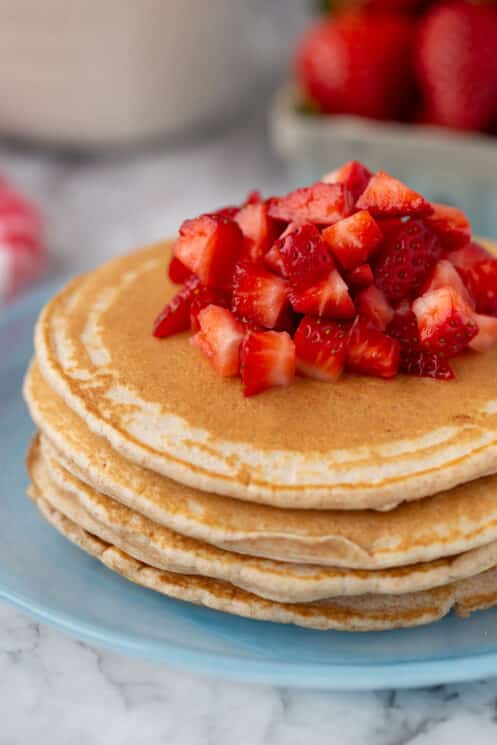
<point>444,274</point>
<point>405,259</point>
<point>201,298</point>
<point>450,224</point>
<point>329,298</point>
<point>481,281</point>
<point>487,333</point>
<point>267,360</point>
<point>353,175</point>
<point>373,305</point>
<point>385,196</point>
<point>175,317</point>
<point>371,352</point>
<point>445,322</point>
<point>210,246</point>
<point>228,211</point>
<point>304,255</point>
<point>321,203</point>
<point>404,328</point>
<point>219,338</point>
<point>360,277</point>
<point>259,295</point>
<point>321,348</point>
<point>273,260</point>
<point>425,364</point>
<point>257,228</point>
<point>467,257</point>
<point>178,272</point>
<point>353,239</point>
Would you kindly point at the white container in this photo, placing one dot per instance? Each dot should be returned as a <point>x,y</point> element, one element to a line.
<point>100,72</point>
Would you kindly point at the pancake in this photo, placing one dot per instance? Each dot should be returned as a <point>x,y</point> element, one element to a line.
<point>359,443</point>
<point>446,524</point>
<point>364,613</point>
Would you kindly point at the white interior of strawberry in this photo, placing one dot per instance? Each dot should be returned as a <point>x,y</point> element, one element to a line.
<point>357,272</point>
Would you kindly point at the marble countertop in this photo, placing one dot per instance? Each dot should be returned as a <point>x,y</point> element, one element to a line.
<point>54,689</point>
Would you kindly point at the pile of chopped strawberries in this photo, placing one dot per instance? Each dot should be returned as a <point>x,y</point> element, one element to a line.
<point>357,272</point>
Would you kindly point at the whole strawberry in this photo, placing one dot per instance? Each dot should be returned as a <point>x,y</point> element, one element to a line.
<point>358,64</point>
<point>456,64</point>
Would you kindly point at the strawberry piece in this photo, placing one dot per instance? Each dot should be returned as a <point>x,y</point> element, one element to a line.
<point>445,275</point>
<point>385,196</point>
<point>175,317</point>
<point>487,333</point>
<point>405,259</point>
<point>360,277</point>
<point>257,228</point>
<point>371,352</point>
<point>267,360</point>
<point>373,305</point>
<point>321,203</point>
<point>210,246</point>
<point>201,298</point>
<point>415,360</point>
<point>304,255</point>
<point>178,272</point>
<point>321,348</point>
<point>353,239</point>
<point>329,297</point>
<point>446,322</point>
<point>273,260</point>
<point>450,224</point>
<point>259,295</point>
<point>478,270</point>
<point>219,338</point>
<point>353,175</point>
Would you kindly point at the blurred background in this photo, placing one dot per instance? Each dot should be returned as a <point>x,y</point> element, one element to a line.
<point>119,119</point>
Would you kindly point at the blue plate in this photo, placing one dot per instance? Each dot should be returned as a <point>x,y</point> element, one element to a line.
<point>45,575</point>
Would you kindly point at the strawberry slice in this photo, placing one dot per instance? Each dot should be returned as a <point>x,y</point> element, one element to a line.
<point>178,272</point>
<point>321,348</point>
<point>405,259</point>
<point>373,305</point>
<point>273,260</point>
<point>304,255</point>
<point>267,360</point>
<point>257,227</point>
<point>201,298</point>
<point>445,275</point>
<point>321,203</point>
<point>479,273</point>
<point>259,295</point>
<point>175,317</point>
<point>329,297</point>
<point>210,246</point>
<point>487,333</point>
<point>219,338</point>
<point>385,196</point>
<point>353,175</point>
<point>415,360</point>
<point>360,277</point>
<point>446,322</point>
<point>450,224</point>
<point>371,352</point>
<point>353,240</point>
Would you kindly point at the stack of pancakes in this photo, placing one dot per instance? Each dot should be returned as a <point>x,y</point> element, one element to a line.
<point>365,504</point>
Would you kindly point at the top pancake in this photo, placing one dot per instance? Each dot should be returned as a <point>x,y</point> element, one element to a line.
<point>359,443</point>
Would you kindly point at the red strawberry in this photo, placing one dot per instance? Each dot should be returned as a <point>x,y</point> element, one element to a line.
<point>273,260</point>
<point>267,360</point>
<point>445,275</point>
<point>304,255</point>
<point>479,273</point>
<point>450,224</point>
<point>487,333</point>
<point>358,64</point>
<point>353,175</point>
<point>175,317</point>
<point>457,65</point>
<point>445,322</point>
<point>201,298</point>
<point>321,348</point>
<point>219,338</point>
<point>360,277</point>
<point>329,297</point>
<point>210,246</point>
<point>353,239</point>
<point>257,228</point>
<point>385,196</point>
<point>371,352</point>
<point>321,203</point>
<point>415,360</point>
<point>259,295</point>
<point>178,272</point>
<point>405,259</point>
<point>373,305</point>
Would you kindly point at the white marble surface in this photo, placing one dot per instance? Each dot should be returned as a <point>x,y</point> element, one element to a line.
<point>59,691</point>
